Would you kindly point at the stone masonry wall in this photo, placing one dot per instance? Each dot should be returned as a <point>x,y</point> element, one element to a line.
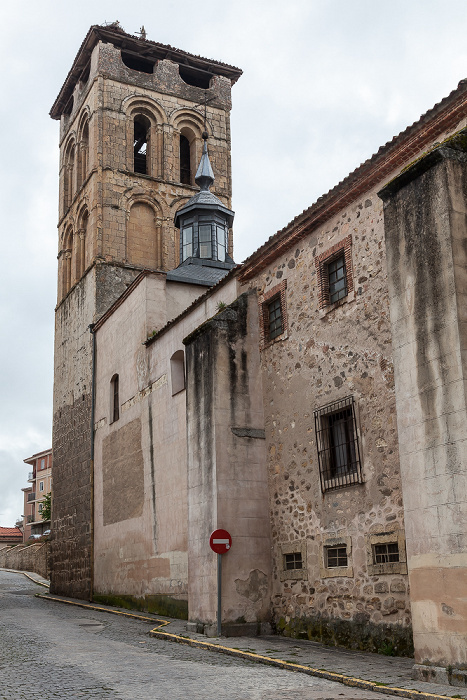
<point>327,353</point>
<point>34,557</point>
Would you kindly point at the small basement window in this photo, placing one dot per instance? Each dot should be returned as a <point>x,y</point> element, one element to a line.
<point>384,553</point>
<point>293,565</point>
<point>336,556</point>
<point>293,561</point>
<point>137,63</point>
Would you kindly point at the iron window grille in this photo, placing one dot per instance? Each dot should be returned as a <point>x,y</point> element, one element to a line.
<point>336,556</point>
<point>337,444</point>
<point>293,560</point>
<point>385,553</point>
<point>337,279</point>
<point>275,318</point>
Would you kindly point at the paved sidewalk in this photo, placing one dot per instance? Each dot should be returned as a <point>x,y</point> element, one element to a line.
<point>375,672</point>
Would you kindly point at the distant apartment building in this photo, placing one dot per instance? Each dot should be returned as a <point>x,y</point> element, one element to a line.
<point>40,484</point>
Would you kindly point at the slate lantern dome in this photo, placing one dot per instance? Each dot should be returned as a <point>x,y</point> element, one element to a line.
<point>204,224</point>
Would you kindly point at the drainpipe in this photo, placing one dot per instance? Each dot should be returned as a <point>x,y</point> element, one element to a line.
<point>93,403</point>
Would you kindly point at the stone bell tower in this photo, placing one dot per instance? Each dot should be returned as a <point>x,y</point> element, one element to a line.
<point>132,114</point>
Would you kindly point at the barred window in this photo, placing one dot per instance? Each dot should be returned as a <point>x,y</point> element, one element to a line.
<point>384,553</point>
<point>275,318</point>
<point>337,443</point>
<point>337,278</point>
<point>293,560</point>
<point>336,556</point>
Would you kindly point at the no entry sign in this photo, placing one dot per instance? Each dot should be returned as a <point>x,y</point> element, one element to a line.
<point>220,541</point>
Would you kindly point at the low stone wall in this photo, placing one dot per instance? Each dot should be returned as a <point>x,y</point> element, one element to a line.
<point>33,557</point>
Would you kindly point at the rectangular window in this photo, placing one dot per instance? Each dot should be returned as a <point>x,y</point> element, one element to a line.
<point>337,443</point>
<point>337,279</point>
<point>336,556</point>
<point>205,241</point>
<point>114,399</point>
<point>40,507</point>
<point>41,485</point>
<point>293,561</point>
<point>187,242</point>
<point>384,553</point>
<point>221,243</point>
<point>42,463</point>
<point>275,318</point>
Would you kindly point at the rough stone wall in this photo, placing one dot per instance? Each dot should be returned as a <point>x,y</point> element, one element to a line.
<point>34,557</point>
<point>327,353</point>
<point>425,226</point>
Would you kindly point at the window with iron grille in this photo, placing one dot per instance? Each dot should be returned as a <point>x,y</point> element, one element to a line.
<point>275,318</point>
<point>336,556</point>
<point>337,443</point>
<point>337,279</point>
<point>293,560</point>
<point>384,553</point>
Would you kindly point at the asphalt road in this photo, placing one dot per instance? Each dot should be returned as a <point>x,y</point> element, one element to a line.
<point>50,650</point>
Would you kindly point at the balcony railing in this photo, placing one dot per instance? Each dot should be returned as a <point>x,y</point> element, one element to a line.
<point>31,496</point>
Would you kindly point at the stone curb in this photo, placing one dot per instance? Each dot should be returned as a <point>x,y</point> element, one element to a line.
<point>34,580</point>
<point>290,666</point>
<point>257,658</point>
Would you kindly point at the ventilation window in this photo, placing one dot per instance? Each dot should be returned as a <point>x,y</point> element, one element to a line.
<point>293,561</point>
<point>198,78</point>
<point>337,443</point>
<point>185,161</point>
<point>114,399</point>
<point>137,63</point>
<point>142,127</point>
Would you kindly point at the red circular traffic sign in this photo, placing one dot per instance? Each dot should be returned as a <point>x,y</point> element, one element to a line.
<point>220,541</point>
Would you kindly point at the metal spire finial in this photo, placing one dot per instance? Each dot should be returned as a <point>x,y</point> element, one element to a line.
<point>204,175</point>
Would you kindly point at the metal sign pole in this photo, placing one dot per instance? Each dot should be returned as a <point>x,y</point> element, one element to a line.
<point>219,594</point>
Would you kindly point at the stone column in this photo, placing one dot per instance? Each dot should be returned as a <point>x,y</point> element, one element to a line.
<point>227,474</point>
<point>425,214</point>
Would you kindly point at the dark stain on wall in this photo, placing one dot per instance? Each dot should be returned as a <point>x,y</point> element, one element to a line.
<point>123,474</point>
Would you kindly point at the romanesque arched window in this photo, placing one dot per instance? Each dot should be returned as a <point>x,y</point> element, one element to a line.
<point>79,246</point>
<point>141,144</point>
<point>185,161</point>
<point>83,153</point>
<point>66,256</point>
<point>69,175</point>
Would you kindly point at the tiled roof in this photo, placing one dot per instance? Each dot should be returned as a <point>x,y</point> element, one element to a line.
<point>10,533</point>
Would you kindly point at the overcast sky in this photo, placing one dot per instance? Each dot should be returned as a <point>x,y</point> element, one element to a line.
<point>326,82</point>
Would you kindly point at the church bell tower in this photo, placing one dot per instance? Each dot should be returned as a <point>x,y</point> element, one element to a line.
<point>132,114</point>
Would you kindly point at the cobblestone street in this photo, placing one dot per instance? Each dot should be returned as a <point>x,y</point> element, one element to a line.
<point>50,650</point>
